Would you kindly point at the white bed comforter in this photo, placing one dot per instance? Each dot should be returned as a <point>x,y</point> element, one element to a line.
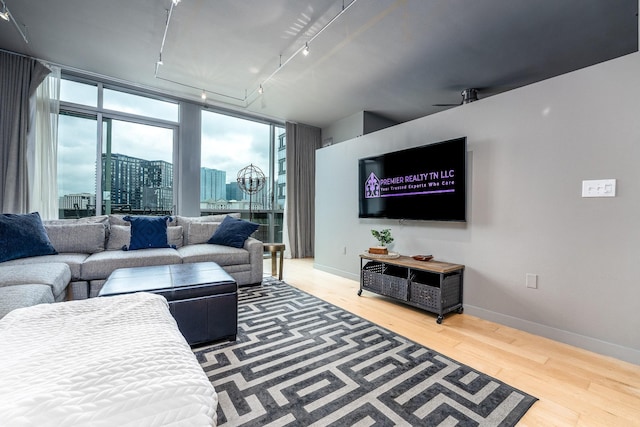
<point>114,361</point>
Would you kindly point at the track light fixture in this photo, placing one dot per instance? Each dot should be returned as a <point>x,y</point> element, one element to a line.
<point>5,12</point>
<point>160,60</point>
<point>260,90</point>
<point>305,51</point>
<point>175,2</point>
<point>203,95</point>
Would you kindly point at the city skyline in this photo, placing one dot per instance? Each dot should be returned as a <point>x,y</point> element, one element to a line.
<point>228,144</point>
<point>140,184</point>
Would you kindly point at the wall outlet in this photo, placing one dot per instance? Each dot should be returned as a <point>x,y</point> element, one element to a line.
<point>532,281</point>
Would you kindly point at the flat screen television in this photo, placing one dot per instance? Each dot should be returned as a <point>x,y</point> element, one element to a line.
<point>422,183</point>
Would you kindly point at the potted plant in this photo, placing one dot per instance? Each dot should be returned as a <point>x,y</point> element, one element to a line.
<point>384,238</point>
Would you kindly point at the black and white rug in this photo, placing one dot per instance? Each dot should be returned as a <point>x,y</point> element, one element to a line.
<point>300,361</point>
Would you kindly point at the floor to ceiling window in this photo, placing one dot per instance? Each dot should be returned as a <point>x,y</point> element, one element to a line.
<point>140,173</point>
<point>115,151</point>
<point>239,171</point>
<point>76,164</point>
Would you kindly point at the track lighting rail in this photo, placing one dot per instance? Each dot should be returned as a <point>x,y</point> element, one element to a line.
<point>259,89</point>
<point>7,16</point>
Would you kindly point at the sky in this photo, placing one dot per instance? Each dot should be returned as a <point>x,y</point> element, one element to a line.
<point>228,143</point>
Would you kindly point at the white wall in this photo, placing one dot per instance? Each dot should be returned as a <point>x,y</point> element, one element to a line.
<point>528,151</point>
<point>347,128</point>
<point>374,122</point>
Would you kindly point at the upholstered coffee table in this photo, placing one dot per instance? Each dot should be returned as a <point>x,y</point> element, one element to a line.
<point>203,298</point>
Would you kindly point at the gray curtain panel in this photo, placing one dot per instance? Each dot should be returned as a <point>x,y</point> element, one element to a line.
<point>302,143</point>
<point>19,79</point>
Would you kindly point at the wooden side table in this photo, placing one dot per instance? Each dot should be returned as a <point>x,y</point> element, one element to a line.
<point>275,248</point>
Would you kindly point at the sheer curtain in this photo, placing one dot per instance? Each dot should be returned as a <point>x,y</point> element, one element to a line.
<point>43,148</point>
<point>302,142</point>
<point>19,78</point>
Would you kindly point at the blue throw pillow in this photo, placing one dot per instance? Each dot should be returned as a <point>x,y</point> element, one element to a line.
<point>22,236</point>
<point>233,232</point>
<point>148,232</point>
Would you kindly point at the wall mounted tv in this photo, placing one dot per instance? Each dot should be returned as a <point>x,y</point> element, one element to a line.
<point>423,183</point>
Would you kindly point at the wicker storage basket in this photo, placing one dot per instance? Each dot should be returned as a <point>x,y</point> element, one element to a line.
<point>386,280</point>
<point>430,295</point>
<point>425,296</point>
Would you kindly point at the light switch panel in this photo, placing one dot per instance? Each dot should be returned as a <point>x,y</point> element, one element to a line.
<point>599,188</point>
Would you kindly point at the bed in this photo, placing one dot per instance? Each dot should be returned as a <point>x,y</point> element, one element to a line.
<point>113,361</point>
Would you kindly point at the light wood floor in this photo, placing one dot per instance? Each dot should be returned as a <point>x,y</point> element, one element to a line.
<point>575,387</point>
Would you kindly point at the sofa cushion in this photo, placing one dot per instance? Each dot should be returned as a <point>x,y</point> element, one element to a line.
<point>74,261</point>
<point>95,286</point>
<point>78,290</point>
<point>120,235</point>
<point>116,219</point>
<point>56,275</point>
<point>221,255</point>
<point>233,232</point>
<point>148,232</point>
<point>12,297</point>
<point>99,265</point>
<point>175,236</point>
<point>77,237</point>
<point>23,235</point>
<point>200,232</point>
<point>100,219</point>
<point>185,221</point>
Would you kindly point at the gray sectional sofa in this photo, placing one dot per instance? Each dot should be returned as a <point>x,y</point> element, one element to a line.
<point>89,249</point>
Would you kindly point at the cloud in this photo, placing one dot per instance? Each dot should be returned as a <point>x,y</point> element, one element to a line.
<point>142,141</point>
<point>76,155</point>
<point>228,143</point>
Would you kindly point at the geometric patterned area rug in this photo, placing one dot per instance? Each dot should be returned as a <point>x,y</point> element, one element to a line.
<point>301,361</point>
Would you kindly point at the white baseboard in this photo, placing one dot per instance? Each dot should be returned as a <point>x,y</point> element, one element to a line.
<point>337,272</point>
<point>592,344</point>
<point>627,354</point>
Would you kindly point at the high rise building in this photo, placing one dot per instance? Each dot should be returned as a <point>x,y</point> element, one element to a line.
<point>212,184</point>
<point>79,201</point>
<point>234,192</point>
<point>137,183</point>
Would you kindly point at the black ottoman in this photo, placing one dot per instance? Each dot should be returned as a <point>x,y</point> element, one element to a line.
<point>203,298</point>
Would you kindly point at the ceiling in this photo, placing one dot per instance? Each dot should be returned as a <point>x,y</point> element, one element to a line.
<point>393,58</point>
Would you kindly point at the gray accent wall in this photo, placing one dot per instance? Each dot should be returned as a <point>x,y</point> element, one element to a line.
<point>529,150</point>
